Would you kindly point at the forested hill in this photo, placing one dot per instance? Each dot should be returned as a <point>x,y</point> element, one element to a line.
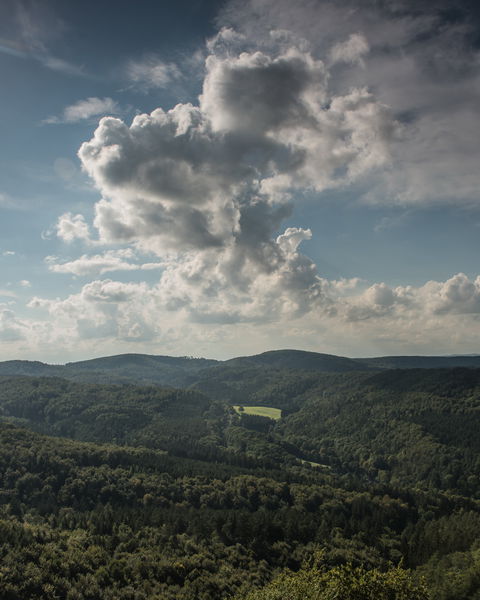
<point>82,521</point>
<point>409,427</point>
<point>123,368</point>
<point>185,371</point>
<point>178,371</point>
<point>421,362</point>
<point>210,492</point>
<point>297,359</point>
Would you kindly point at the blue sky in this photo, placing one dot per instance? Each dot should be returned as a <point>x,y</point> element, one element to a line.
<point>220,178</point>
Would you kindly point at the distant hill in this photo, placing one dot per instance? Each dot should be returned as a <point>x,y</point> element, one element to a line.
<point>120,361</point>
<point>298,359</point>
<point>30,368</point>
<point>316,361</point>
<point>182,371</point>
<point>420,362</point>
<point>177,371</point>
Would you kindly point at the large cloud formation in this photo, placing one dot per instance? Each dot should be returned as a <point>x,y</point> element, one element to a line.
<point>420,58</point>
<point>304,96</point>
<point>207,187</point>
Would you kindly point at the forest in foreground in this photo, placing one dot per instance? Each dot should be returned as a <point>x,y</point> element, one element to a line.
<point>280,476</point>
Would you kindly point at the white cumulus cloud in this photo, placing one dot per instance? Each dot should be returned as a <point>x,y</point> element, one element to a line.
<point>72,227</point>
<point>430,81</point>
<point>12,329</point>
<point>103,309</point>
<point>206,187</point>
<point>344,315</point>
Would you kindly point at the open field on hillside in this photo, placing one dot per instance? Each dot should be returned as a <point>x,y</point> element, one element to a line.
<point>260,411</point>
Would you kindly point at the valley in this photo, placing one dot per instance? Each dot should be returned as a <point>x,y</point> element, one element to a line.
<point>251,468</point>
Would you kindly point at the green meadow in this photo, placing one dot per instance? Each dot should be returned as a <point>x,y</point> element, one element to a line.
<point>260,411</point>
<point>313,464</point>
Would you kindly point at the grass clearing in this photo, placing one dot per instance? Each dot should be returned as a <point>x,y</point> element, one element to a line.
<point>260,411</point>
<point>314,464</point>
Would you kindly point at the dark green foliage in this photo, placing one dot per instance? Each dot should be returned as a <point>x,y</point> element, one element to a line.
<point>256,422</point>
<point>345,583</point>
<point>421,362</point>
<point>414,427</point>
<point>151,416</point>
<point>182,498</point>
<point>88,521</point>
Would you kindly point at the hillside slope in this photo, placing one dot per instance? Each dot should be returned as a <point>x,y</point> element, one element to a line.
<point>186,499</point>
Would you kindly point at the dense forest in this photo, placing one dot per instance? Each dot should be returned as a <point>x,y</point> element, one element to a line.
<point>366,487</point>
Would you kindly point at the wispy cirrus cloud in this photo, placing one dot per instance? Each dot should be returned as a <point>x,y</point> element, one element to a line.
<point>27,31</point>
<point>5,293</point>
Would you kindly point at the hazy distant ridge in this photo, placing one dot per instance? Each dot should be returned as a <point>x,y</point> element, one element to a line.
<point>182,371</point>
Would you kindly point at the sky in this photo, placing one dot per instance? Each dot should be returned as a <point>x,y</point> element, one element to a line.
<point>220,178</point>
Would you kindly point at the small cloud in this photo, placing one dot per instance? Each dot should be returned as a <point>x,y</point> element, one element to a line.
<point>8,253</point>
<point>58,64</point>
<point>152,72</point>
<point>391,222</point>
<point>350,51</point>
<point>72,227</point>
<point>292,238</point>
<point>112,260</point>
<point>25,283</point>
<point>84,110</point>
